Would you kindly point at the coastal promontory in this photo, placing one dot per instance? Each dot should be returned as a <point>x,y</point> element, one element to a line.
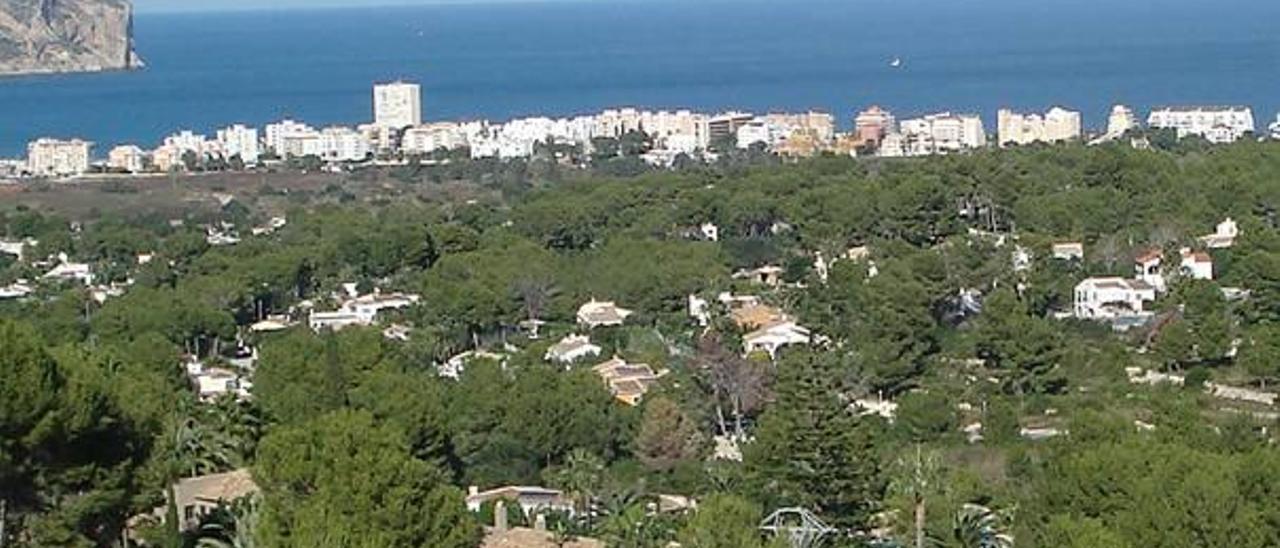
<point>49,36</point>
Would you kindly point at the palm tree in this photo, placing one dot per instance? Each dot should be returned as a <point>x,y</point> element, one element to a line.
<point>231,527</point>
<point>917,476</point>
<point>635,527</point>
<point>580,478</point>
<point>977,526</point>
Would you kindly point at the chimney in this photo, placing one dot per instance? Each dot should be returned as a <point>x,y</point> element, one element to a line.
<point>500,516</point>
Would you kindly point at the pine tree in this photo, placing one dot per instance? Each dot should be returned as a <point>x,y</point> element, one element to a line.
<point>811,450</point>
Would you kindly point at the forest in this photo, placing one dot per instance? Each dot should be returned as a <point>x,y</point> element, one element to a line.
<point>946,397</point>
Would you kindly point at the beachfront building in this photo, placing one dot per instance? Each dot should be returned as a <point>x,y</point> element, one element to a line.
<point>127,158</point>
<point>1054,126</point>
<point>819,125</point>
<point>429,138</point>
<point>397,105</point>
<point>872,125</point>
<point>240,140</point>
<point>185,141</point>
<point>725,125</point>
<point>58,158</point>
<point>937,134</point>
<point>280,132</point>
<point>681,131</point>
<point>343,144</point>
<point>1121,121</point>
<point>1215,124</point>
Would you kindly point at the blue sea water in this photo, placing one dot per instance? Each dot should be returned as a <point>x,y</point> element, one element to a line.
<point>556,58</point>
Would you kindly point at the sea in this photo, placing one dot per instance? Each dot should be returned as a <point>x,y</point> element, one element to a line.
<point>497,61</point>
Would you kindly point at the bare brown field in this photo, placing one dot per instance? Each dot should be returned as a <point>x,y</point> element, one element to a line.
<point>268,193</point>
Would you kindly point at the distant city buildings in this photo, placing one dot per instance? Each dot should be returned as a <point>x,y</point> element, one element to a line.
<point>935,134</point>
<point>58,158</point>
<point>343,144</point>
<point>399,133</point>
<point>1216,124</point>
<point>397,105</point>
<point>1121,121</point>
<point>726,125</point>
<point>872,125</point>
<point>240,141</point>
<point>127,158</point>
<point>1054,126</point>
<point>429,138</point>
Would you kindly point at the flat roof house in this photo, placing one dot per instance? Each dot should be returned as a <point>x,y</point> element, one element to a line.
<point>1112,299</point>
<point>771,338</point>
<point>571,349</point>
<point>601,314</point>
<point>532,500</point>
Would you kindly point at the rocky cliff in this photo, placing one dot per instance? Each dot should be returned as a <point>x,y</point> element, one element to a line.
<point>38,36</point>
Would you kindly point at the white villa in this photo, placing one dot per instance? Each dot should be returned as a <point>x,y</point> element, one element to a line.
<point>531,500</point>
<point>15,290</point>
<point>360,310</point>
<point>1224,235</point>
<point>769,275</point>
<point>1149,267</point>
<point>1112,298</point>
<point>571,349</point>
<point>602,314</point>
<point>1068,251</point>
<point>771,338</point>
<point>69,271</point>
<point>1197,264</point>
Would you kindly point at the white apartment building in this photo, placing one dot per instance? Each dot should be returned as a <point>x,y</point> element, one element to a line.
<point>1054,126</point>
<point>820,125</point>
<point>279,132</point>
<point>343,144</point>
<point>128,158</point>
<point>939,134</point>
<point>1216,124</point>
<point>242,141</point>
<point>397,105</point>
<point>761,131</point>
<point>429,138</point>
<point>58,158</point>
<point>1111,298</point>
<point>302,144</point>
<point>1121,120</point>
<point>187,141</point>
<point>682,127</point>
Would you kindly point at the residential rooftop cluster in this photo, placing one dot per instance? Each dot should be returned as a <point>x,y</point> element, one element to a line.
<point>398,132</point>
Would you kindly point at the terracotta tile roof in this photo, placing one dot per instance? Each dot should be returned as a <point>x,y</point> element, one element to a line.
<point>1149,255</point>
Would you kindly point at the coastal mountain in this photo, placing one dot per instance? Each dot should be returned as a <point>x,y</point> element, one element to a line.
<point>44,36</point>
